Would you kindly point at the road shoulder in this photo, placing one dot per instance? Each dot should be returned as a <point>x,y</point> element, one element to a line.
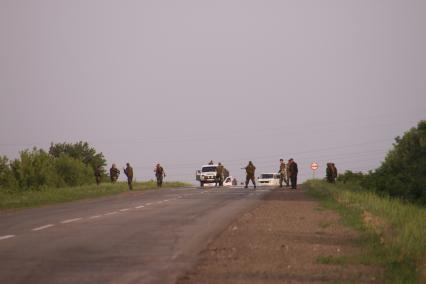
<point>288,238</point>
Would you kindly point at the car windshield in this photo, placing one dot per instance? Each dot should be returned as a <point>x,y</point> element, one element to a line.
<point>267,176</point>
<point>209,169</point>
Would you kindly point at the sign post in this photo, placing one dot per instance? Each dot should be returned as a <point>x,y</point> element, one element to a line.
<point>314,167</point>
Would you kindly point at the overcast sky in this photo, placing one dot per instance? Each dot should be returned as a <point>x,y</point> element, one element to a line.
<point>185,82</point>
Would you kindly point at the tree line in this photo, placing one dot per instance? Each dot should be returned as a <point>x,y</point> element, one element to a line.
<point>65,164</point>
<point>403,172</point>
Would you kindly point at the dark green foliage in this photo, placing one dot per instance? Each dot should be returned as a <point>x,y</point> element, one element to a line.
<point>403,173</point>
<point>80,151</point>
<point>7,180</point>
<point>34,169</point>
<point>64,165</point>
<point>351,177</point>
<point>72,172</point>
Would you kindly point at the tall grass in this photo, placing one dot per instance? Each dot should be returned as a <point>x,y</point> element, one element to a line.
<point>400,227</point>
<point>32,198</point>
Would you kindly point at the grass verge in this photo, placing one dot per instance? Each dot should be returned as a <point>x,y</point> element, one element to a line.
<point>57,195</point>
<point>394,232</point>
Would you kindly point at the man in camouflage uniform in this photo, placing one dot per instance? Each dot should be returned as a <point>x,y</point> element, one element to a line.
<point>329,173</point>
<point>288,172</point>
<point>334,171</point>
<point>219,174</point>
<point>114,173</point>
<point>225,173</point>
<point>159,174</point>
<point>283,173</point>
<point>250,173</point>
<point>98,175</point>
<point>293,171</point>
<point>129,173</point>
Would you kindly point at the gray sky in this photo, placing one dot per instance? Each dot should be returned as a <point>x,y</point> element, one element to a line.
<point>184,82</point>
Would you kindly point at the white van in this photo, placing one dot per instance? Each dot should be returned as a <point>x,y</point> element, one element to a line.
<point>207,175</point>
<point>270,179</point>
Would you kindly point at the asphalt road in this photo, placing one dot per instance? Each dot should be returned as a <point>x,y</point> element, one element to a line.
<point>136,237</point>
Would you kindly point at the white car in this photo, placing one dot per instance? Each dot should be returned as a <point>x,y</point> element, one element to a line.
<point>270,179</point>
<point>207,176</point>
<point>228,181</point>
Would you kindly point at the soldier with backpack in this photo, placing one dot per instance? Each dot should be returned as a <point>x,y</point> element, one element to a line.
<point>160,174</point>
<point>114,173</point>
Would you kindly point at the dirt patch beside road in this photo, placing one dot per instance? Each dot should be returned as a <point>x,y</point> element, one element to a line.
<point>288,238</point>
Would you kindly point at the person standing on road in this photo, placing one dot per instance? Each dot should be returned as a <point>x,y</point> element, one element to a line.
<point>114,173</point>
<point>160,174</point>
<point>283,173</point>
<point>250,173</point>
<point>293,170</point>
<point>129,173</point>
<point>288,173</point>
<point>219,174</point>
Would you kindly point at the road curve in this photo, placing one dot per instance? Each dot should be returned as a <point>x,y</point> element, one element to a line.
<point>136,237</point>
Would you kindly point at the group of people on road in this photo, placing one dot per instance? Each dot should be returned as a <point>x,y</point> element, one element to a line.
<point>114,173</point>
<point>288,173</point>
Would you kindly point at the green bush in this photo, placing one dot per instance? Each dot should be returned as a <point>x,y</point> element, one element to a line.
<point>34,170</point>
<point>72,172</point>
<point>7,179</point>
<point>403,173</point>
<point>64,165</point>
<point>80,151</point>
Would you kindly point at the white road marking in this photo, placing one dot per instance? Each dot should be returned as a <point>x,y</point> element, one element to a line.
<point>125,209</point>
<point>6,237</point>
<point>166,200</point>
<point>111,213</point>
<point>71,220</point>
<point>159,202</point>
<point>96,216</point>
<point>43,227</point>
<point>139,207</point>
<point>148,204</point>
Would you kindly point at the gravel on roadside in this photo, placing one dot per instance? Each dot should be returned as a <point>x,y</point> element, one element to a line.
<point>288,238</point>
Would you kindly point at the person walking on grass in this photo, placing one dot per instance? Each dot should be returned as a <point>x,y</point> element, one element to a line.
<point>98,175</point>
<point>160,174</point>
<point>128,171</point>
<point>293,171</point>
<point>250,174</point>
<point>329,173</point>
<point>334,170</point>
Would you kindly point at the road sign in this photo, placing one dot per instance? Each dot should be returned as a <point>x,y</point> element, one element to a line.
<point>314,166</point>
